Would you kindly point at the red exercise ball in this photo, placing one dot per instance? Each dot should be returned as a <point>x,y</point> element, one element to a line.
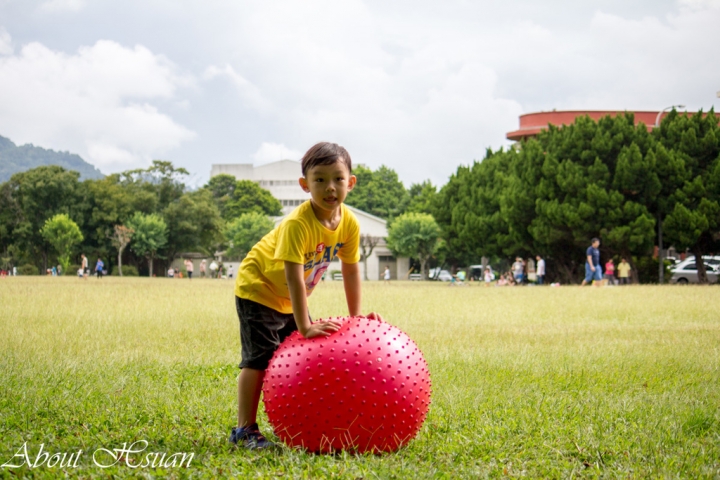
<point>365,388</point>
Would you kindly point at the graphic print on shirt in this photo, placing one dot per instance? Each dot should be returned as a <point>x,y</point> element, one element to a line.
<point>319,261</point>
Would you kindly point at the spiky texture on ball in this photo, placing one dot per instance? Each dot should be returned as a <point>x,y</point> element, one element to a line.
<point>365,388</point>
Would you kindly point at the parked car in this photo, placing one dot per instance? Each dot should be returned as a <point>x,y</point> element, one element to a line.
<point>442,275</point>
<point>673,260</point>
<point>478,274</point>
<point>686,271</point>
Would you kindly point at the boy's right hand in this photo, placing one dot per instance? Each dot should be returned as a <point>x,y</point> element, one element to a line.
<point>321,328</point>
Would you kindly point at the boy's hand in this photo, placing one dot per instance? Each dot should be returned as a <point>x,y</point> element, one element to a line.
<point>374,316</point>
<point>321,328</point>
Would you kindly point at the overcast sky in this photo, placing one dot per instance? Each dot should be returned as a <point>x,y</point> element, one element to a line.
<point>421,86</point>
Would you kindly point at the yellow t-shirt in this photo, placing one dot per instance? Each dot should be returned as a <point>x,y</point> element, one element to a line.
<point>623,270</point>
<point>299,238</point>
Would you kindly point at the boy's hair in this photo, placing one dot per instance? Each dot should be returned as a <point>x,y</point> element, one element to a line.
<point>325,153</point>
<point>595,239</point>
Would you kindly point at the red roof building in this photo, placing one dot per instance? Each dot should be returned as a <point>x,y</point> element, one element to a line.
<point>533,123</point>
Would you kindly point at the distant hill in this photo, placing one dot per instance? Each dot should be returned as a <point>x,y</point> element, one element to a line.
<point>14,159</point>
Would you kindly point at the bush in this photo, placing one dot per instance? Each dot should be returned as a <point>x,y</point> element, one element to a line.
<point>28,269</point>
<point>127,271</point>
<point>72,270</point>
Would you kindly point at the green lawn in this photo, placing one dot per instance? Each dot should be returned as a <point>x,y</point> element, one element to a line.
<point>536,382</point>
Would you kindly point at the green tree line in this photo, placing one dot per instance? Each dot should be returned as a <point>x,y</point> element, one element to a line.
<point>611,179</point>
<point>48,215</point>
<point>547,195</point>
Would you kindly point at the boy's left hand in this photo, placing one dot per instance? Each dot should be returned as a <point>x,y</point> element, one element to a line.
<point>374,316</point>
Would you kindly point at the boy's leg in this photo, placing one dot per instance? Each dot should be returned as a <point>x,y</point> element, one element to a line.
<point>249,389</point>
<point>262,329</point>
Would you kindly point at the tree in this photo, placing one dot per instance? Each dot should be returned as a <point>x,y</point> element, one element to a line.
<point>422,197</point>
<point>150,236</point>
<point>110,202</point>
<point>594,179</point>
<point>161,179</point>
<point>29,199</point>
<point>222,188</point>
<point>194,224</point>
<point>248,197</point>
<point>367,245</point>
<point>379,193</point>
<point>245,231</point>
<point>551,194</point>
<point>415,235</point>
<point>63,234</point>
<point>692,149</point>
<point>120,239</point>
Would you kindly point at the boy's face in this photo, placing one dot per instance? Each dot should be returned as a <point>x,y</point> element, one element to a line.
<point>328,185</point>
<point>595,244</point>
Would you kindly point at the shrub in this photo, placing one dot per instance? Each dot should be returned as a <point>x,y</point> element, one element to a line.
<point>72,270</point>
<point>28,269</point>
<point>127,271</point>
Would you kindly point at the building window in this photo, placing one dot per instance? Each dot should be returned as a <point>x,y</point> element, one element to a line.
<point>386,259</point>
<point>276,183</point>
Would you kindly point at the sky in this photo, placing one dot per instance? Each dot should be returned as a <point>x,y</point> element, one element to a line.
<point>420,86</point>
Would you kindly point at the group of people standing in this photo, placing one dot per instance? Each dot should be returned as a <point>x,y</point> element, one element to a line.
<point>521,271</point>
<point>214,270</point>
<point>84,270</point>
<point>189,269</point>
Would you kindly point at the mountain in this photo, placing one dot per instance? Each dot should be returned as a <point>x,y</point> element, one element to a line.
<point>14,159</point>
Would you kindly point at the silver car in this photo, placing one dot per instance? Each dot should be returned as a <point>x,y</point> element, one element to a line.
<point>442,275</point>
<point>686,271</point>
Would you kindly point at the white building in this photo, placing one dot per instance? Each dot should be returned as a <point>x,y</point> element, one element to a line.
<point>281,179</point>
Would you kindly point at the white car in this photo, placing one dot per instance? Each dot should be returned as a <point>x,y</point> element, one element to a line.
<point>442,275</point>
<point>686,271</point>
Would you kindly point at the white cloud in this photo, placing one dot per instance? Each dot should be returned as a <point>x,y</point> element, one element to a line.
<point>53,6</point>
<point>701,4</point>
<point>96,102</point>
<point>653,62</point>
<point>272,152</point>
<point>334,71</point>
<point>251,95</point>
<point>6,47</point>
<point>419,85</point>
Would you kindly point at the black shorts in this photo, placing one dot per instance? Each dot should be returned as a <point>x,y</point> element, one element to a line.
<point>262,330</point>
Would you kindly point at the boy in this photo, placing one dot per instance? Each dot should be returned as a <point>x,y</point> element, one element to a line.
<point>281,271</point>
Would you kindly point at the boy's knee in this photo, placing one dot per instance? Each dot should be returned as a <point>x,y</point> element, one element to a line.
<point>258,363</point>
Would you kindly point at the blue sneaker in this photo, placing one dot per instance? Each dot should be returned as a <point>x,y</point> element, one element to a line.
<point>250,437</point>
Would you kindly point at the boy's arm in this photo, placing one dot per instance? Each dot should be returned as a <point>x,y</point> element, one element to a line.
<point>353,295</point>
<point>352,284</point>
<point>298,298</point>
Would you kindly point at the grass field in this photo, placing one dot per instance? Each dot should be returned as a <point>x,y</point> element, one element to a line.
<point>535,382</point>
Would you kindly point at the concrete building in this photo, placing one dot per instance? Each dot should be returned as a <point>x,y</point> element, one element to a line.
<point>281,180</point>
